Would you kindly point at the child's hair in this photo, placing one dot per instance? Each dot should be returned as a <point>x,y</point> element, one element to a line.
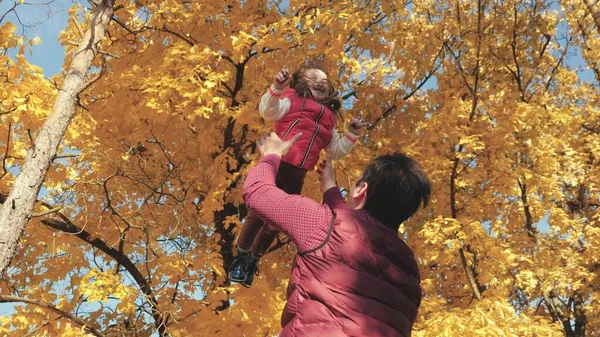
<point>300,84</point>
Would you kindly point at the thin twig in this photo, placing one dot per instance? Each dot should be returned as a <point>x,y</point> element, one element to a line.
<point>61,156</point>
<point>30,138</point>
<point>6,151</point>
<point>10,10</point>
<point>77,26</point>
<point>46,212</point>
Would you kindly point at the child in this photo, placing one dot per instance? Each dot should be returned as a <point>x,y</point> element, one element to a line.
<point>309,106</point>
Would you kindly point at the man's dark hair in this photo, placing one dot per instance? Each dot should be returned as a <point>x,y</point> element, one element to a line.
<point>396,187</point>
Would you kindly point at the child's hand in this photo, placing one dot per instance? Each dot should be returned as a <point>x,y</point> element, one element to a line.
<point>282,79</point>
<point>355,126</point>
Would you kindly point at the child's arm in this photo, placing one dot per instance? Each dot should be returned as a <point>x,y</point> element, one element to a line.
<point>272,107</point>
<point>341,145</point>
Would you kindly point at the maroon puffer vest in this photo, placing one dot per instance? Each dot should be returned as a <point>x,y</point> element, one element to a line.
<point>314,120</point>
<point>364,281</point>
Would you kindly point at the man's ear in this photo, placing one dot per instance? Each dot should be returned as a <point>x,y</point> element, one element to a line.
<point>360,195</point>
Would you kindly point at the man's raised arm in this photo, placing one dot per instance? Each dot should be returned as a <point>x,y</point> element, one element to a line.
<point>305,221</point>
<point>332,196</point>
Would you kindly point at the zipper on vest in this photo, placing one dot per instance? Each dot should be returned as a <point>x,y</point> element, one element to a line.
<point>290,128</point>
<point>314,136</point>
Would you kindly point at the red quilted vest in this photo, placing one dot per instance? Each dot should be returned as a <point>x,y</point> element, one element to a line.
<point>314,120</point>
<point>364,281</point>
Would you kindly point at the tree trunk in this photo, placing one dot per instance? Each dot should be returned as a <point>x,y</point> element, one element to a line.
<point>594,9</point>
<point>16,211</point>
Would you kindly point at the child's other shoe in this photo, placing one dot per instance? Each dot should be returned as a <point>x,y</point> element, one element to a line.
<point>251,270</point>
<point>237,272</point>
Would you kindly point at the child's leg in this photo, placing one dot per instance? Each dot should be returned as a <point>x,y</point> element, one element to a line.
<point>250,229</point>
<point>240,268</point>
<point>290,179</point>
<point>263,241</point>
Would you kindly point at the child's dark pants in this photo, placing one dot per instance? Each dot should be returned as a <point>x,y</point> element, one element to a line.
<point>257,237</point>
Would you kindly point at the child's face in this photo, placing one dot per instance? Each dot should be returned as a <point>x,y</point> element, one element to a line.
<point>317,82</point>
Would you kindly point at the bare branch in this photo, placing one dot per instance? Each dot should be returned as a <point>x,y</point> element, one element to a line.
<point>10,10</point>
<point>115,19</point>
<point>46,212</point>
<point>167,30</point>
<point>61,156</point>
<point>8,111</point>
<point>74,19</point>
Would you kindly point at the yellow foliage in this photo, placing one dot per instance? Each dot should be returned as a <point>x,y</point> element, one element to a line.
<point>98,286</point>
<point>486,318</point>
<point>148,190</point>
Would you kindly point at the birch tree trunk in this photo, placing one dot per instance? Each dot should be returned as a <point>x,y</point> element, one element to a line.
<point>16,210</point>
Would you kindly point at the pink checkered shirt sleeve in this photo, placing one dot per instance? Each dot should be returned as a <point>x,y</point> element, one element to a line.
<point>305,221</point>
<point>333,198</point>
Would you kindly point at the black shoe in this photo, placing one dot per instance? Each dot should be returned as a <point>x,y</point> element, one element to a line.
<point>237,272</point>
<point>251,270</point>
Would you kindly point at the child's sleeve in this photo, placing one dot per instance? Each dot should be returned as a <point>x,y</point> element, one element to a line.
<point>272,107</point>
<point>340,145</point>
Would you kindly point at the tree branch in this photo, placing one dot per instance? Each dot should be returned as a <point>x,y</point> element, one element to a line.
<point>67,226</point>
<point>5,170</point>
<point>513,45</point>
<point>470,275</point>
<point>8,11</point>
<point>47,212</point>
<point>469,271</point>
<point>61,313</point>
<point>62,156</point>
<point>410,94</point>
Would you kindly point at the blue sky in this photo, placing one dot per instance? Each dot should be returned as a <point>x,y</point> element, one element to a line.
<point>47,23</point>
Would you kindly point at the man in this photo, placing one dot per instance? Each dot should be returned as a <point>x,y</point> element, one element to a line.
<point>353,275</point>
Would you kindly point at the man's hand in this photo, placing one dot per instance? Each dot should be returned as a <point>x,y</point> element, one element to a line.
<point>327,175</point>
<point>271,144</point>
<point>282,79</point>
<point>355,126</point>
